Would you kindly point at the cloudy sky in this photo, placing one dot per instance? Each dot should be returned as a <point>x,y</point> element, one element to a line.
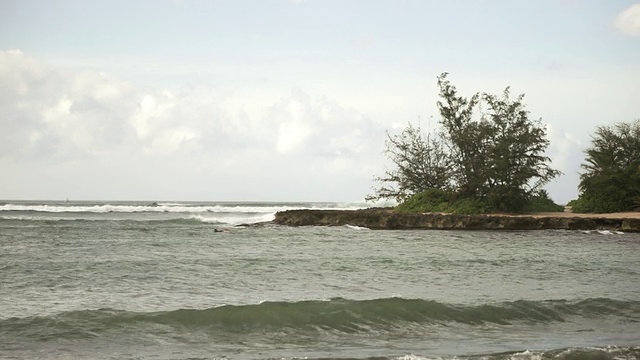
<point>282,100</point>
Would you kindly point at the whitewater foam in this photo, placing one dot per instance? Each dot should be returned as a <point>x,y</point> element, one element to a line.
<point>233,214</point>
<point>354,227</point>
<point>170,207</point>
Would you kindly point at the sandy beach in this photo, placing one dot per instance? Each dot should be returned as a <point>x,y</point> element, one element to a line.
<point>568,214</point>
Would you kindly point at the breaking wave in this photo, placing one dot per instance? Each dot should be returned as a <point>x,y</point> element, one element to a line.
<point>192,213</point>
<point>610,352</point>
<point>171,208</point>
<point>338,314</point>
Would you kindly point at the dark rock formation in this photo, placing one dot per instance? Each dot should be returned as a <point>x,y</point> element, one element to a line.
<point>386,218</point>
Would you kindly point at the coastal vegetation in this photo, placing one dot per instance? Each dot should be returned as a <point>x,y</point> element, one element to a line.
<point>611,181</point>
<point>494,162</point>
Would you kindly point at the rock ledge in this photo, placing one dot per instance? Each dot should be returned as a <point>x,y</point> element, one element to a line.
<point>386,218</point>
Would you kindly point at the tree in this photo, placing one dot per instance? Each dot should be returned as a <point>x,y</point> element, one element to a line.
<point>611,181</point>
<point>459,134</point>
<point>496,161</point>
<point>420,163</point>
<point>500,157</point>
<point>516,166</point>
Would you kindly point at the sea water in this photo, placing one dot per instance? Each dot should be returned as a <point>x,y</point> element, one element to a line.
<point>131,280</point>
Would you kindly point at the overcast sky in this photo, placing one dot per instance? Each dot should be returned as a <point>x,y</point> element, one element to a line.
<point>281,100</point>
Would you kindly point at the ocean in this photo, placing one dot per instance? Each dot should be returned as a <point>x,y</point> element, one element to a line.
<point>205,280</point>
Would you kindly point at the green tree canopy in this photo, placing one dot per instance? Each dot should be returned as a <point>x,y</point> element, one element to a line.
<point>497,159</point>
<point>516,166</point>
<point>611,181</point>
<point>419,161</point>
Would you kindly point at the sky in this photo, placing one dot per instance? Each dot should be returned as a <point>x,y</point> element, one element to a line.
<point>286,100</point>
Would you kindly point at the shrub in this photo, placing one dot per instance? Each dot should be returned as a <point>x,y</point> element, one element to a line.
<point>432,200</point>
<point>542,203</point>
<point>436,200</point>
<point>470,206</point>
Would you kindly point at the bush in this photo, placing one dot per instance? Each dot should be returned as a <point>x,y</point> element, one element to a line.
<point>432,200</point>
<point>602,204</point>
<point>436,200</point>
<point>470,206</point>
<point>542,203</point>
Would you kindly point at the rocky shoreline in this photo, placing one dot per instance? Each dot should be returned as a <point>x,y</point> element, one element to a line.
<point>388,219</point>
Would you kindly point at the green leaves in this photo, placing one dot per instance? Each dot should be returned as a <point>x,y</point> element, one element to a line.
<point>420,162</point>
<point>611,181</point>
<point>517,166</point>
<point>497,160</point>
<point>500,157</point>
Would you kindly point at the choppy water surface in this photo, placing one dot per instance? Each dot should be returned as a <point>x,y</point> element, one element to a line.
<point>183,280</point>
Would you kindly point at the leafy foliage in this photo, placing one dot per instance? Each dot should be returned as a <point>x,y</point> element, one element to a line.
<point>431,200</point>
<point>517,167</point>
<point>420,163</point>
<point>541,202</point>
<point>494,163</point>
<point>611,181</point>
<point>435,200</point>
<point>460,133</point>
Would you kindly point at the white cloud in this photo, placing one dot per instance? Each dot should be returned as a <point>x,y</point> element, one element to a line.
<point>161,140</point>
<point>50,113</point>
<point>292,115</point>
<point>628,21</point>
<point>322,128</point>
<point>567,153</point>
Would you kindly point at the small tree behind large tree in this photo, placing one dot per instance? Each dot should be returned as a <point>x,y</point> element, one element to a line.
<point>419,161</point>
<point>460,134</point>
<point>611,181</point>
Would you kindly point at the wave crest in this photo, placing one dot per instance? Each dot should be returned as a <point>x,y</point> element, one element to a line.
<point>337,314</point>
<point>170,208</point>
